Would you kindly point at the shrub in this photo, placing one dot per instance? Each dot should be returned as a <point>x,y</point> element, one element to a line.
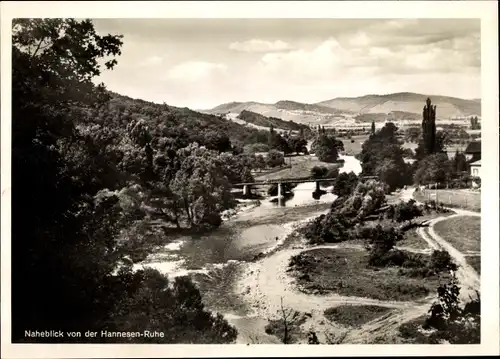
<point>345,184</point>
<point>406,211</point>
<point>381,241</point>
<point>275,158</point>
<point>442,261</point>
<point>318,172</point>
<point>328,228</point>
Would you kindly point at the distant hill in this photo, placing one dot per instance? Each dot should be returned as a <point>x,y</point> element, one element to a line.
<point>402,106</point>
<point>447,107</point>
<point>263,121</point>
<point>297,106</point>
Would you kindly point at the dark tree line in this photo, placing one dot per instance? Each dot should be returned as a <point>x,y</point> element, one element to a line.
<point>474,123</point>
<point>287,143</point>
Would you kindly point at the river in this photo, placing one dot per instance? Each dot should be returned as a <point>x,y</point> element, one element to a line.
<point>215,260</point>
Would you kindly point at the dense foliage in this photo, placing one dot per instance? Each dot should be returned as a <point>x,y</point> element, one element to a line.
<point>403,211</point>
<point>82,177</point>
<point>345,183</point>
<point>382,156</point>
<point>474,123</point>
<point>346,211</point>
<point>327,147</point>
<point>451,321</point>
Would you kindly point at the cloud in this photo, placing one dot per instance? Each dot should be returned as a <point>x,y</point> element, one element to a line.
<point>328,58</point>
<point>256,45</point>
<point>191,71</point>
<point>332,59</point>
<point>410,32</point>
<point>151,61</point>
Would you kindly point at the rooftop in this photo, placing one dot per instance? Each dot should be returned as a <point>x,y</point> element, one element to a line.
<point>476,163</point>
<point>473,147</point>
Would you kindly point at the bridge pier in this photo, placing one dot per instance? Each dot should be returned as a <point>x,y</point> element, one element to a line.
<point>280,194</point>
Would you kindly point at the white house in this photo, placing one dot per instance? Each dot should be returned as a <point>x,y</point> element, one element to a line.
<point>475,169</point>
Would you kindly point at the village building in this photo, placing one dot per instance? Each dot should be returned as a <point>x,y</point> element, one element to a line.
<point>473,151</point>
<point>475,169</point>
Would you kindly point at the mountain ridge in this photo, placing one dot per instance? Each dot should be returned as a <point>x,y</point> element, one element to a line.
<point>347,108</point>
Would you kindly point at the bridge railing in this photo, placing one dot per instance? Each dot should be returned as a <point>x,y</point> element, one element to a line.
<point>294,180</point>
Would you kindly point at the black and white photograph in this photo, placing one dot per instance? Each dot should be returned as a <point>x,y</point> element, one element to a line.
<point>232,180</point>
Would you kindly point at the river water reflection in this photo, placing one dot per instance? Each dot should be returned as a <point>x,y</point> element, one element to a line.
<point>302,194</point>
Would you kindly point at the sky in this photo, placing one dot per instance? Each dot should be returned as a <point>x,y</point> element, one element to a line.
<point>201,63</point>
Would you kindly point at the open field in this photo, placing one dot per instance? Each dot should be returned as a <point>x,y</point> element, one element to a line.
<point>355,315</point>
<point>452,198</point>
<point>353,148</point>
<point>463,232</point>
<point>345,271</point>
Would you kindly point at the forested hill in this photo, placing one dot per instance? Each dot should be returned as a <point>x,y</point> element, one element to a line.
<point>184,125</point>
<point>261,120</point>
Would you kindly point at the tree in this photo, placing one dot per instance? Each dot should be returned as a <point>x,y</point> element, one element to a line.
<point>53,62</point>
<point>214,140</point>
<point>442,140</point>
<point>380,242</point>
<point>459,162</point>
<point>297,144</point>
<point>327,148</point>
<point>474,123</point>
<point>373,128</point>
<point>345,184</point>
<point>184,318</point>
<point>406,211</point>
<point>275,158</point>
<point>260,162</point>
<point>201,185</point>
<point>436,168</point>
<point>318,172</point>
<point>382,156</point>
<point>429,127</point>
<point>455,324</point>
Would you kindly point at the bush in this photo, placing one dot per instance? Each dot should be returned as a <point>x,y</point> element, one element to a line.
<point>380,242</point>
<point>431,205</point>
<point>345,184</point>
<point>404,211</point>
<point>150,295</point>
<point>441,261</point>
<point>330,228</point>
<point>275,158</point>
<point>318,172</point>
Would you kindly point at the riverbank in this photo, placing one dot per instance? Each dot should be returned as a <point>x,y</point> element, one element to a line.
<point>256,232</point>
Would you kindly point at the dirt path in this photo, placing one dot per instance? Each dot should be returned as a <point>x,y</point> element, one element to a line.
<point>266,282</point>
<point>468,278</point>
<point>466,275</point>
